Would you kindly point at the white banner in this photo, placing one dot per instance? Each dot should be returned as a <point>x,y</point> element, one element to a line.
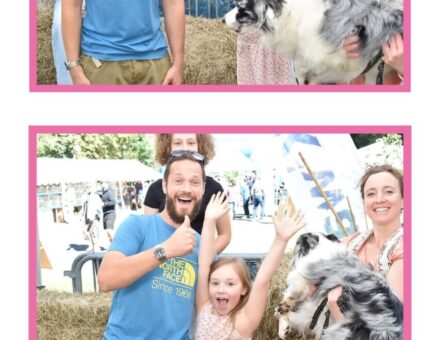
<point>333,160</point>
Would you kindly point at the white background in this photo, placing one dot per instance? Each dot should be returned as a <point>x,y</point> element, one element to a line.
<point>19,109</point>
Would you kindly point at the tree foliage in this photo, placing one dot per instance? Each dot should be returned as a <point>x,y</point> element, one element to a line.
<point>363,139</point>
<point>96,146</point>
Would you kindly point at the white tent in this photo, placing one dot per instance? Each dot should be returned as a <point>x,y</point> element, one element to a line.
<point>229,159</point>
<point>64,170</point>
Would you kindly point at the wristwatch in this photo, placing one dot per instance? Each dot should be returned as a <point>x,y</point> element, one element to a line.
<point>160,254</point>
<point>71,64</point>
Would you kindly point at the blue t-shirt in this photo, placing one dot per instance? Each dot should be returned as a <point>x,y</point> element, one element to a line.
<point>160,305</point>
<point>115,30</point>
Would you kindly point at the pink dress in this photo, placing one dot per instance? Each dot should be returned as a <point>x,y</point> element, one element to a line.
<point>257,65</point>
<point>212,327</point>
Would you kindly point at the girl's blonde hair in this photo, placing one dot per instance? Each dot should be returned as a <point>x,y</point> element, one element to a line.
<point>162,143</point>
<point>242,271</point>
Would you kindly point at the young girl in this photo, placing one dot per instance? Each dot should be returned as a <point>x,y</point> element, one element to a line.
<point>227,306</point>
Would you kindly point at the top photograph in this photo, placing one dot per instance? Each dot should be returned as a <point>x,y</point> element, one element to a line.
<point>220,46</point>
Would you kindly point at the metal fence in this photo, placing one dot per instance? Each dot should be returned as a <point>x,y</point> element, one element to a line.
<point>253,262</point>
<point>212,9</point>
<point>208,8</point>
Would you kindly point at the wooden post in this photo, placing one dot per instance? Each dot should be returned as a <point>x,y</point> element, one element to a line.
<point>324,195</point>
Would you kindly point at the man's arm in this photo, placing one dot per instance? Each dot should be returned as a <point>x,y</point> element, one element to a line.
<point>119,270</point>
<point>174,12</point>
<point>71,22</point>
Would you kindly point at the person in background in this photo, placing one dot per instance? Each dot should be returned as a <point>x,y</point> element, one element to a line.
<point>92,217</point>
<point>246,196</point>
<point>258,198</point>
<point>109,209</point>
<point>233,195</point>
<point>203,144</point>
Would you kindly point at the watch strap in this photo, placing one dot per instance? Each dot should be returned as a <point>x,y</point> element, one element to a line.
<point>71,64</point>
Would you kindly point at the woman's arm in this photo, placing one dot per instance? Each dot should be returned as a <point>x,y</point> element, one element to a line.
<point>395,278</point>
<point>285,226</point>
<point>216,208</point>
<point>150,211</point>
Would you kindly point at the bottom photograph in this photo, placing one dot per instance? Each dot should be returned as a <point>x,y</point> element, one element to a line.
<point>225,232</point>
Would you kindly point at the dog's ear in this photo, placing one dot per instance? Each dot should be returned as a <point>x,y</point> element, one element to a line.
<point>332,237</point>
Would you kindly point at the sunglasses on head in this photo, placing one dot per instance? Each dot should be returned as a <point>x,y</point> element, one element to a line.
<point>179,153</point>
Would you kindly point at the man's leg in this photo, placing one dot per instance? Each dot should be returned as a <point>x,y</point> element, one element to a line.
<point>246,207</point>
<point>151,72</point>
<point>109,222</point>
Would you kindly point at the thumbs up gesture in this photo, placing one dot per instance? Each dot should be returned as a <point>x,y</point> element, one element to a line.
<point>182,242</point>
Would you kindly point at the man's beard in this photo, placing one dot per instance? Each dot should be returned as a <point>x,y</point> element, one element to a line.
<point>175,216</point>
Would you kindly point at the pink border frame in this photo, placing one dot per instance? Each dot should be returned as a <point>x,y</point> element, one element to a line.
<point>34,87</point>
<point>35,130</point>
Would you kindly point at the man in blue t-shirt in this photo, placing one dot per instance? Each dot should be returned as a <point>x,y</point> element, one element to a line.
<point>152,263</point>
<point>121,42</point>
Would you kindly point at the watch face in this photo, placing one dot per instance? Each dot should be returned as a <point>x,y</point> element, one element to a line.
<point>159,253</point>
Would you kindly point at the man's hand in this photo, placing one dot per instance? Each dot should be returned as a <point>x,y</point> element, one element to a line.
<point>182,242</point>
<point>174,76</point>
<point>78,76</point>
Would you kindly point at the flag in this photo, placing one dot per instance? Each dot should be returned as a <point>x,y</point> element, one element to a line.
<point>334,163</point>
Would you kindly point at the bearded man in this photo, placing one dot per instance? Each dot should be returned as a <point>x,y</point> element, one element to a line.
<point>152,263</point>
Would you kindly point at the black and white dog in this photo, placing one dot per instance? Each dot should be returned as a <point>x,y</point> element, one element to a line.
<point>371,310</point>
<point>311,32</point>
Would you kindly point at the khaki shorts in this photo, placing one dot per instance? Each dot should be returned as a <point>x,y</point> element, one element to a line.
<point>130,72</point>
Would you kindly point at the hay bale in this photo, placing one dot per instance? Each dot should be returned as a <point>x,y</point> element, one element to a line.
<point>71,316</point>
<point>84,316</point>
<point>45,65</point>
<point>210,50</point>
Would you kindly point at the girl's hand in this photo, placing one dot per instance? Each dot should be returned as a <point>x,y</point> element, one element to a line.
<point>286,222</point>
<point>217,207</point>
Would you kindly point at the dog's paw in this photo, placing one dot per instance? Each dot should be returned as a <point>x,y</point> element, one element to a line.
<point>282,309</point>
<point>283,327</point>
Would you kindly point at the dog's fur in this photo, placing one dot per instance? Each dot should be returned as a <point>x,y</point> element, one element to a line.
<point>311,33</point>
<point>371,310</point>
